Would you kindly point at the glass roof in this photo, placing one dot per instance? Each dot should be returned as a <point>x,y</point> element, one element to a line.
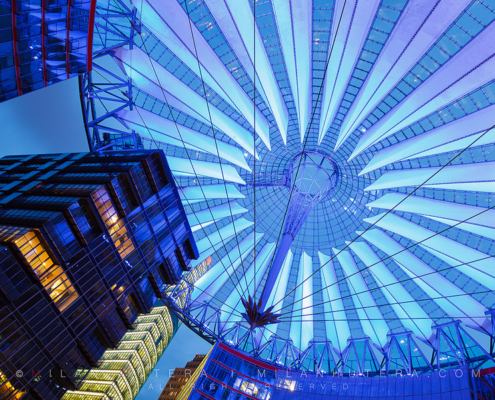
<point>381,109</point>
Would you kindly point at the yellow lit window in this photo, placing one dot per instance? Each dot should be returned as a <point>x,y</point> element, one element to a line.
<point>115,225</point>
<point>7,391</point>
<point>51,276</point>
<point>249,388</point>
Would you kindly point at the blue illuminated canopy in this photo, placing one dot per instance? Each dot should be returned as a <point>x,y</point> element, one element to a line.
<point>336,161</point>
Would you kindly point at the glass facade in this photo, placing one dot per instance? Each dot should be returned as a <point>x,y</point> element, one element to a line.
<point>43,42</point>
<point>87,243</point>
<point>122,371</point>
<point>233,374</point>
<point>180,377</point>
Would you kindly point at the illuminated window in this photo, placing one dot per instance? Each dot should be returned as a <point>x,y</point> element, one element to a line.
<point>249,388</point>
<point>115,225</point>
<point>51,276</point>
<point>7,391</point>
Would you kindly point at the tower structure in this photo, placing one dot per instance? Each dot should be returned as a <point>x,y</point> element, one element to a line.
<point>88,241</point>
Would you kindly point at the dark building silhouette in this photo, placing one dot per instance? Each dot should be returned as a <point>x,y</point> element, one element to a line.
<point>87,242</point>
<point>180,377</point>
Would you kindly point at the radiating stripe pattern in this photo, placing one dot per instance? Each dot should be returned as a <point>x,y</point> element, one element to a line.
<point>399,95</point>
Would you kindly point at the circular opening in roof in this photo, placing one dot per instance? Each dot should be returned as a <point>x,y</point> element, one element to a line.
<point>313,174</point>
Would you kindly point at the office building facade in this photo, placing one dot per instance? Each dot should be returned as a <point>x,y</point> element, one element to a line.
<point>43,42</point>
<point>180,377</point>
<point>231,373</point>
<point>88,241</point>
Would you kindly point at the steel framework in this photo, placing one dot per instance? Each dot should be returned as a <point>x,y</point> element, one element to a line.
<point>106,90</point>
<point>103,91</point>
<point>453,345</point>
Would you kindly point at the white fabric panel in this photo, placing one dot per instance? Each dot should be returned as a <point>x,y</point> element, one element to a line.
<point>165,130</point>
<point>145,73</point>
<point>479,220</point>
<point>183,167</point>
<point>224,271</point>
<point>195,194</point>
<point>370,317</point>
<point>419,26</point>
<point>469,69</point>
<point>236,21</point>
<point>478,177</point>
<point>208,245</point>
<point>353,31</point>
<point>294,22</point>
<point>170,23</point>
<point>469,261</point>
<point>456,135</point>
<point>336,324</point>
<point>301,328</point>
<point>454,301</point>
<point>263,258</point>
<point>201,219</point>
<point>412,316</point>
<point>279,290</point>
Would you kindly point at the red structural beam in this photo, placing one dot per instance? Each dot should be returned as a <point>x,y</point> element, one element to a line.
<point>231,388</point>
<point>247,358</point>
<point>16,58</point>
<point>67,43</point>
<point>206,395</point>
<point>91,27</point>
<point>238,373</point>
<point>43,41</point>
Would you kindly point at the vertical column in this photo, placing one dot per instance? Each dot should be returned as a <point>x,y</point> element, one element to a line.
<point>14,43</point>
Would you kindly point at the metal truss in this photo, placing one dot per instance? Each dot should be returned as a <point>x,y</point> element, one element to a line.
<point>106,90</point>
<point>103,90</point>
<point>452,346</point>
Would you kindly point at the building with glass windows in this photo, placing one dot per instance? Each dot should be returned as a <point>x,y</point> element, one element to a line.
<point>180,377</point>
<point>43,42</point>
<point>229,374</point>
<point>87,243</point>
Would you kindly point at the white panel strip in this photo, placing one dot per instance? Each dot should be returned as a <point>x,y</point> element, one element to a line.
<point>170,23</point>
<point>301,327</point>
<point>218,275</point>
<point>469,69</point>
<point>352,33</point>
<point>183,167</point>
<point>444,211</point>
<point>463,257</point>
<point>165,130</point>
<point>263,258</point>
<point>419,26</point>
<point>194,194</point>
<point>294,20</point>
<point>412,316</point>
<point>369,314</point>
<point>139,68</point>
<point>236,21</point>
<point>454,301</point>
<point>215,240</point>
<point>456,135</point>
<point>478,177</point>
<point>280,288</point>
<point>201,219</point>
<point>336,324</point>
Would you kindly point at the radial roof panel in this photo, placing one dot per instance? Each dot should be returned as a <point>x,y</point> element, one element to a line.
<point>356,139</point>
